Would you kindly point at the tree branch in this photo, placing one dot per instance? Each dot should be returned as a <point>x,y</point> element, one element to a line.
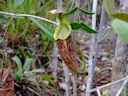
<point>27,15</point>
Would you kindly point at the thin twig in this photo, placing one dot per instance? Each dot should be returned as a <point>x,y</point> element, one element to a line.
<point>27,15</point>
<point>90,65</point>
<point>105,36</point>
<point>30,89</point>
<point>109,84</point>
<point>55,60</point>
<point>75,84</point>
<point>126,93</point>
<point>99,36</point>
<point>121,88</point>
<point>98,91</point>
<point>60,7</point>
<point>66,71</point>
<point>76,17</point>
<point>66,74</point>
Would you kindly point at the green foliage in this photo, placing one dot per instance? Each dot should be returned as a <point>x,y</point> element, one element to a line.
<point>18,61</point>
<point>121,28</point>
<point>72,11</point>
<point>83,26</point>
<point>123,91</point>
<point>109,6</point>
<point>81,10</point>
<point>19,74</point>
<point>1,39</point>
<point>121,16</point>
<point>87,28</point>
<point>45,28</point>
<point>21,69</point>
<point>51,79</point>
<point>75,25</point>
<point>27,64</point>
<point>21,52</point>
<point>85,12</point>
<point>17,3</point>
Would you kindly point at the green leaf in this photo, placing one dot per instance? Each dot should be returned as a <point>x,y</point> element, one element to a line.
<point>18,74</point>
<point>72,11</point>
<point>121,28</point>
<point>27,64</point>
<point>109,6</point>
<point>17,3</point>
<point>87,28</point>
<point>85,12</point>
<point>18,61</point>
<point>45,28</point>
<point>75,25</point>
<point>1,40</point>
<point>51,79</point>
<point>121,16</point>
<point>75,9</point>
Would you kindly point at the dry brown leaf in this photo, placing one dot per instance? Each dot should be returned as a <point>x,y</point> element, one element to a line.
<point>7,83</point>
<point>54,11</point>
<point>105,91</point>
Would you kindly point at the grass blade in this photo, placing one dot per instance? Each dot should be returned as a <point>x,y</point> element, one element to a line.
<point>45,28</point>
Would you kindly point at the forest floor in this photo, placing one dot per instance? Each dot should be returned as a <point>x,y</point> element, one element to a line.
<point>47,85</point>
<point>27,40</point>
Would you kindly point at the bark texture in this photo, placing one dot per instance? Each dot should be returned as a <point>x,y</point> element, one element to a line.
<point>118,65</point>
<point>119,60</point>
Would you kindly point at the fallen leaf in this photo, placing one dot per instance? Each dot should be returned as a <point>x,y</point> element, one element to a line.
<point>54,11</point>
<point>7,83</point>
<point>63,85</point>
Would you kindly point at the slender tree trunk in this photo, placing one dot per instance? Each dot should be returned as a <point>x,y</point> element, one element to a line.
<point>118,62</point>
<point>126,93</point>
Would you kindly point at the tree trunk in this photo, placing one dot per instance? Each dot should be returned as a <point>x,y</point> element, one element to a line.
<point>118,62</point>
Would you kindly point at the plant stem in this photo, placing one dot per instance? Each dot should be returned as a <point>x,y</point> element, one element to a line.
<point>109,84</point>
<point>90,65</point>
<point>76,17</point>
<point>27,15</point>
<point>99,36</point>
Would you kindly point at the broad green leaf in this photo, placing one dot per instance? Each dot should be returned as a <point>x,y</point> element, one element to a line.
<point>27,64</point>
<point>45,28</point>
<point>18,74</point>
<point>1,40</point>
<point>121,16</point>
<point>17,3</point>
<point>85,12</point>
<point>121,28</point>
<point>109,6</point>
<point>87,28</point>
<point>72,11</point>
<point>75,25</point>
<point>18,61</point>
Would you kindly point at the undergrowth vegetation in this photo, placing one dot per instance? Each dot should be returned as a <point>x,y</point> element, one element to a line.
<point>24,46</point>
<point>27,47</point>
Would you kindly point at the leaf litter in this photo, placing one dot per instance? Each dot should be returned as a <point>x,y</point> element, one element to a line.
<point>7,81</point>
